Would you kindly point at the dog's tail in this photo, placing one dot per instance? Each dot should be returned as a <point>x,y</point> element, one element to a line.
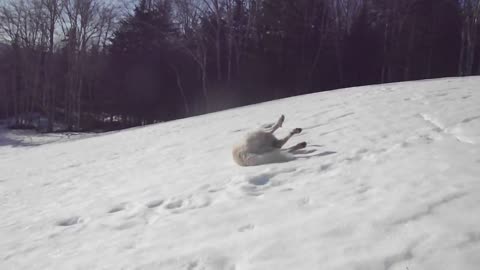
<point>251,159</point>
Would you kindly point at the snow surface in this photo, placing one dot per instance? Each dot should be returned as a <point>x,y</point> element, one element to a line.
<point>390,180</point>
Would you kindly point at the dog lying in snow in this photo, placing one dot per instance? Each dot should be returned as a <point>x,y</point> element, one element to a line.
<point>262,147</point>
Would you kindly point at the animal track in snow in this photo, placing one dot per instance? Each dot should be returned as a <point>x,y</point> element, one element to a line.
<point>434,122</point>
<point>324,167</point>
<point>126,225</point>
<point>256,184</point>
<point>430,208</point>
<point>174,204</point>
<point>155,203</point>
<point>252,190</point>
<point>331,131</point>
<point>362,189</point>
<point>211,262</point>
<point>426,138</point>
<point>247,227</point>
<point>304,201</point>
<point>312,153</point>
<point>341,116</point>
<point>116,208</point>
<point>179,205</point>
<point>192,265</point>
<point>359,155</point>
<point>473,238</point>
<point>215,189</point>
<point>260,180</point>
<point>68,221</point>
<point>470,119</point>
<point>239,130</point>
<point>456,132</point>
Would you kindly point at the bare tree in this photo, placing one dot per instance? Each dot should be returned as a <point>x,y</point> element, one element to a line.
<point>240,19</point>
<point>343,12</point>
<point>83,25</point>
<point>22,25</point>
<point>194,42</point>
<point>469,36</point>
<point>52,10</point>
<point>215,9</point>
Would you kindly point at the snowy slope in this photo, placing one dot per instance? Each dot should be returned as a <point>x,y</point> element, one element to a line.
<point>391,181</point>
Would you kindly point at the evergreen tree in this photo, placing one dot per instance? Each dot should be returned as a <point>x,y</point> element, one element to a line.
<point>140,63</point>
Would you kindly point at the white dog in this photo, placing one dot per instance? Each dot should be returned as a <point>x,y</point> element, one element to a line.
<point>262,147</point>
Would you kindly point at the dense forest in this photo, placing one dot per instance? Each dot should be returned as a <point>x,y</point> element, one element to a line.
<point>100,65</point>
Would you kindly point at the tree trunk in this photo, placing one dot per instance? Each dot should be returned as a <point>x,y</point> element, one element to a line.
<point>217,41</point>
<point>462,54</point>
<point>204,89</point>
<point>411,42</point>
<point>51,109</point>
<point>218,48</point>
<point>229,63</point>
<point>182,92</point>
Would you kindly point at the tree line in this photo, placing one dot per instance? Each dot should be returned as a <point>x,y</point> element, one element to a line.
<point>89,65</point>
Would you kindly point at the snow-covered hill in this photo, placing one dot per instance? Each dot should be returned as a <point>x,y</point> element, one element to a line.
<point>391,181</point>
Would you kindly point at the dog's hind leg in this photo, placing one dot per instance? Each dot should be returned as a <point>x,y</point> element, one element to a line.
<point>280,143</point>
<point>296,147</point>
<point>272,128</point>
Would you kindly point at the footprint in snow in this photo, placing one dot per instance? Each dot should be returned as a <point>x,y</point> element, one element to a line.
<point>324,167</point>
<point>211,262</point>
<point>470,119</point>
<point>126,225</point>
<point>216,189</point>
<point>363,189</point>
<point>245,228</point>
<point>116,208</point>
<point>252,190</point>
<point>155,203</point>
<point>121,207</point>
<point>191,202</point>
<point>260,180</point>
<point>257,184</point>
<point>211,189</point>
<point>304,202</point>
<point>68,221</point>
<point>192,265</point>
<point>359,155</point>
<point>174,204</point>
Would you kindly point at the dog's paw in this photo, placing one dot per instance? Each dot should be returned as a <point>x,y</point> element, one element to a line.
<point>302,145</point>
<point>280,120</point>
<point>296,131</point>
